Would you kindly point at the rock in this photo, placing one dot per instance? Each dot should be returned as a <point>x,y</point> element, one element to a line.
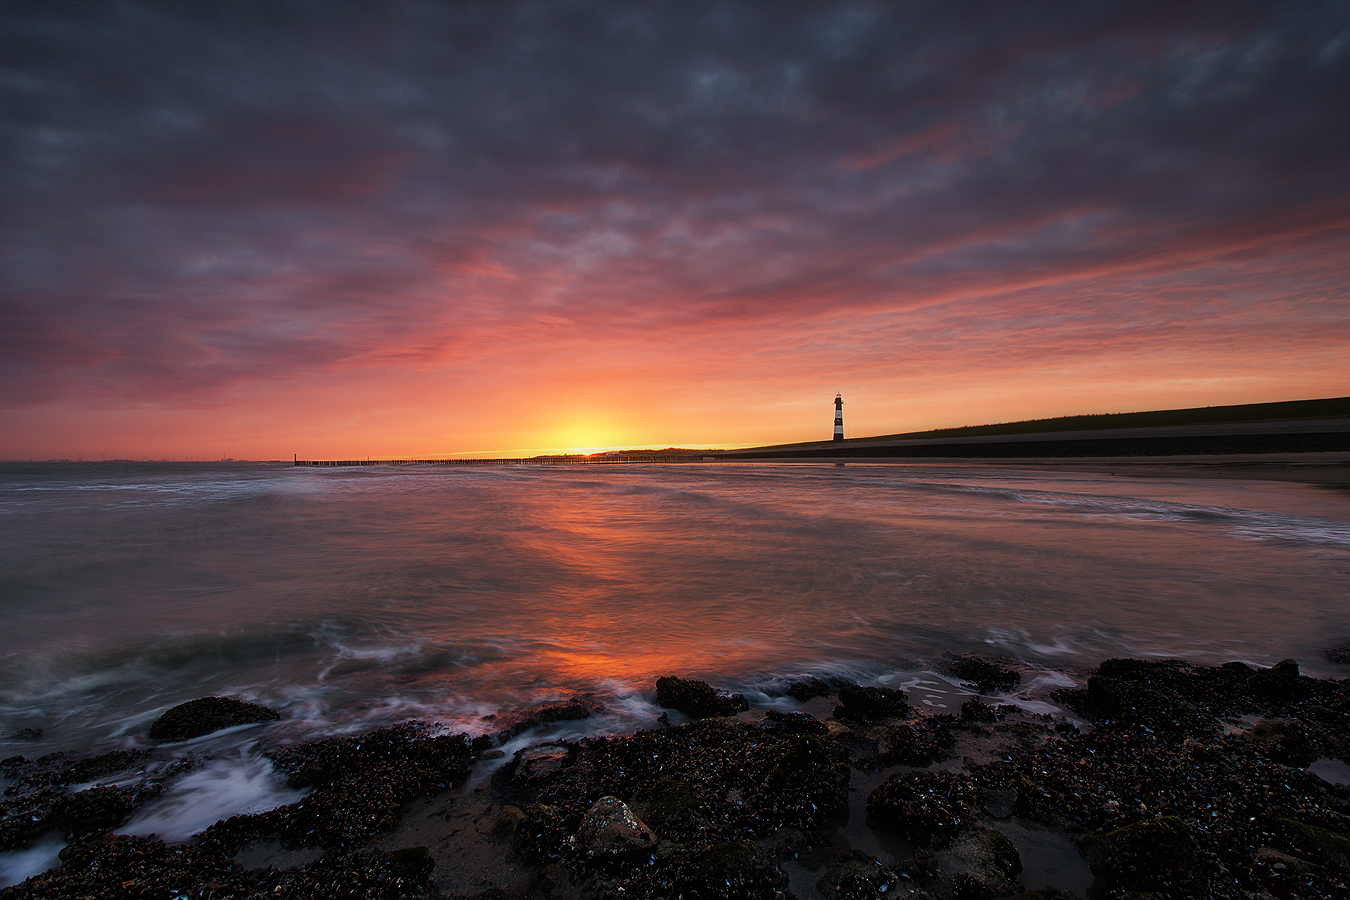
<point>1154,855</point>
<point>609,828</point>
<point>1286,743</point>
<point>1275,862</point>
<point>575,710</point>
<point>542,762</point>
<point>988,674</point>
<point>672,801</point>
<point>732,869</point>
<point>697,699</point>
<point>94,810</point>
<point>411,864</point>
<point>999,804</point>
<point>808,774</point>
<point>855,879</point>
<point>806,688</point>
<point>924,806</point>
<point>508,820</point>
<point>906,746</point>
<point>1281,682</point>
<point>975,711</point>
<point>198,717</point>
<point>27,734</point>
<point>1168,672</point>
<point>977,863</point>
<point>871,704</point>
<point>793,723</point>
<point>361,784</point>
<point>552,881</point>
<point>1314,842</point>
<point>1340,655</point>
<point>1141,698</point>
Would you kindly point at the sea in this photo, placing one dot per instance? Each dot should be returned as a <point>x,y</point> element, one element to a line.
<point>350,598</point>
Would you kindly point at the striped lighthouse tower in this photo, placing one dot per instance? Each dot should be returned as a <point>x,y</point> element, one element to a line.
<point>838,417</point>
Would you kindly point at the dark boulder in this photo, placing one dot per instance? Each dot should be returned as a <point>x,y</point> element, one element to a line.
<point>998,803</point>
<point>697,699</point>
<point>198,717</point>
<point>871,704</point>
<point>1281,682</point>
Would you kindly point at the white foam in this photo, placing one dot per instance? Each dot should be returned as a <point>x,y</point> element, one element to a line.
<point>238,785</point>
<point>19,865</point>
<point>1047,680</point>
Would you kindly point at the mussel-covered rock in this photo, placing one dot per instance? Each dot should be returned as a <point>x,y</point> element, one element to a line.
<point>926,807</point>
<point>610,829</point>
<point>914,745</point>
<point>359,785</point>
<point>871,704</point>
<point>1153,855</point>
<point>858,879</point>
<point>1281,682</point>
<point>59,769</point>
<point>574,710</point>
<point>208,714</point>
<point>730,870</point>
<point>1314,842</point>
<point>53,811</point>
<point>697,699</point>
<point>975,711</point>
<point>1140,692</point>
<point>1287,743</point>
<point>988,674</point>
<point>805,688</point>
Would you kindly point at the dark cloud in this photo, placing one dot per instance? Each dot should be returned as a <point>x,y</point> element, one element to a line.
<point>196,195</point>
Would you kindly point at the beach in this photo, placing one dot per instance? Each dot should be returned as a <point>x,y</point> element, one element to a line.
<point>1161,779</point>
<point>526,617</point>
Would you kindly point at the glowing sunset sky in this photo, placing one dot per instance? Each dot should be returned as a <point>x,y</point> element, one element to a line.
<point>419,229</point>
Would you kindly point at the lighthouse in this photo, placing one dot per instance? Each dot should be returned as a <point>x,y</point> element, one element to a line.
<point>838,417</point>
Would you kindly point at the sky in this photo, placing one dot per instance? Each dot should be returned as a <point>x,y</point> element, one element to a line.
<point>491,229</point>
